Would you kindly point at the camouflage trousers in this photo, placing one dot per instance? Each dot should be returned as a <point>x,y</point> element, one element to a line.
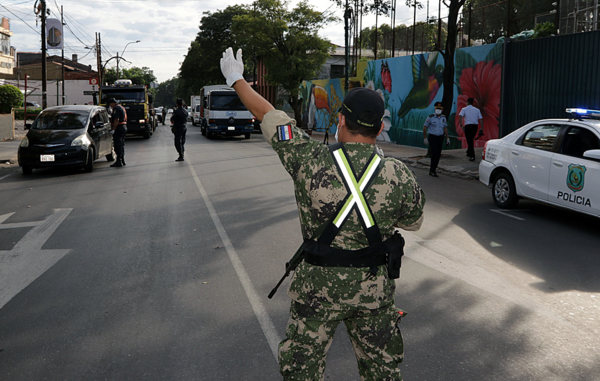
<point>375,336</point>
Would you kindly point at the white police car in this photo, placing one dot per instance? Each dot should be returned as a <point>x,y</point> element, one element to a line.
<point>555,161</point>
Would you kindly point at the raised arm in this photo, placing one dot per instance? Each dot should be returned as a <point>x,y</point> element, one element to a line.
<point>233,70</point>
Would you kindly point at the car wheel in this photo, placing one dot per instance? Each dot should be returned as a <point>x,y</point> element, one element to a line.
<point>27,170</point>
<point>147,135</point>
<point>112,154</point>
<point>247,136</point>
<point>89,166</point>
<point>209,135</point>
<point>504,191</point>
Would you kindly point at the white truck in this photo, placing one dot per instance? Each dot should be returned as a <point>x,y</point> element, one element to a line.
<point>195,103</point>
<point>223,113</point>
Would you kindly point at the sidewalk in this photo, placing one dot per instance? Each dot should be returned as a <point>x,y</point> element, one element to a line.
<point>8,148</point>
<point>453,162</point>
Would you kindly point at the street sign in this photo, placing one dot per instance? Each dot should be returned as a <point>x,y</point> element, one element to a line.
<point>89,92</point>
<point>93,81</point>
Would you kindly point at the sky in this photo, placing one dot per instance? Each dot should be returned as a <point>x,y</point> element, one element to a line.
<point>165,28</point>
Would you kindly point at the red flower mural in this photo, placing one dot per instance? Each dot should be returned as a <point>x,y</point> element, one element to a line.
<point>386,77</point>
<point>483,84</point>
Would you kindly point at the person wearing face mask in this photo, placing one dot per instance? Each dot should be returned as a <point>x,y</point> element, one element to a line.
<point>434,131</point>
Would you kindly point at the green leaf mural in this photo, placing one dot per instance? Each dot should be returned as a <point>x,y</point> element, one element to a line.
<point>462,60</point>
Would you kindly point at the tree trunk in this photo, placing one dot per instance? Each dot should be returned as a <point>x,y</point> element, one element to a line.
<point>296,104</point>
<point>448,97</point>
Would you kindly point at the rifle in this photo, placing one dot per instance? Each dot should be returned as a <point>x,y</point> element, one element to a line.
<point>289,267</point>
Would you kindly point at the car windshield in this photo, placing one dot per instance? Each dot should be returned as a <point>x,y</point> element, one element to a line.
<point>226,102</point>
<point>126,96</point>
<point>61,120</point>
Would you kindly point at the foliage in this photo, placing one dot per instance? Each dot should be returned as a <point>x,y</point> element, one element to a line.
<point>10,96</point>
<point>166,93</point>
<point>139,76</point>
<point>31,113</point>
<point>546,29</point>
<point>287,42</point>
<point>201,64</point>
<point>426,36</point>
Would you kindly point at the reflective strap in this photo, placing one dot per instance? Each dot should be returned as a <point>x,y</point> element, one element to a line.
<point>356,189</point>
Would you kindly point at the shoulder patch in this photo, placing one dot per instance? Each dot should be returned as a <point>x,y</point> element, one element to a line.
<point>284,132</point>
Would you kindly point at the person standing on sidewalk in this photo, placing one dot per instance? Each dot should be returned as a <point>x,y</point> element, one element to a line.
<point>119,130</point>
<point>351,251</point>
<point>434,130</point>
<point>178,119</point>
<point>164,114</point>
<point>470,118</point>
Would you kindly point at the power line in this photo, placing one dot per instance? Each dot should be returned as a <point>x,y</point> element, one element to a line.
<point>24,22</point>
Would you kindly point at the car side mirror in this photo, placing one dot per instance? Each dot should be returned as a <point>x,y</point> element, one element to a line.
<point>592,154</point>
<point>27,126</point>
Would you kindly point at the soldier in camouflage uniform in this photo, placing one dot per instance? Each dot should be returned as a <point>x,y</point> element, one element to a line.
<point>324,295</point>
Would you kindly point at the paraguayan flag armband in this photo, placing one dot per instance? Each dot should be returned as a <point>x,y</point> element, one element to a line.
<point>284,132</point>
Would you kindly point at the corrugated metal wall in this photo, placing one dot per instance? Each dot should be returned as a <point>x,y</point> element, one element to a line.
<point>543,77</point>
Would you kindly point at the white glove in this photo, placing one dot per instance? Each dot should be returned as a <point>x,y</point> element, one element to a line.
<point>112,132</point>
<point>447,141</point>
<point>426,142</point>
<point>231,67</point>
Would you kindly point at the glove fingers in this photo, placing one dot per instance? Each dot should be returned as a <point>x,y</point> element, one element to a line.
<point>238,55</point>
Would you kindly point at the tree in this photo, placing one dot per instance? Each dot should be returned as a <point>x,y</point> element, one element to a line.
<point>139,76</point>
<point>288,43</point>
<point>166,93</point>
<point>448,54</point>
<point>10,97</point>
<point>201,64</point>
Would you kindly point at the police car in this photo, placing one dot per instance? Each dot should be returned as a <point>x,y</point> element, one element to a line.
<point>555,161</point>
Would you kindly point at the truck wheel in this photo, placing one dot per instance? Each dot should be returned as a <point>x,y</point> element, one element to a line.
<point>247,136</point>
<point>209,135</point>
<point>147,135</point>
<point>504,191</point>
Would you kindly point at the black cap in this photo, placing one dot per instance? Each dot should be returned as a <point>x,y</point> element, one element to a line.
<point>364,106</point>
<point>179,102</point>
<point>111,100</point>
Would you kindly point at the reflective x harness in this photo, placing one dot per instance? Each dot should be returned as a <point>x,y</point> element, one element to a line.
<point>318,250</point>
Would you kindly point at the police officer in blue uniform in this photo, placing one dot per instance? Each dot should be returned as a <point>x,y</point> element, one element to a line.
<point>434,131</point>
<point>119,130</point>
<point>178,119</point>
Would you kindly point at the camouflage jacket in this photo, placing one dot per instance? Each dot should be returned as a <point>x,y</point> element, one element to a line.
<point>394,197</point>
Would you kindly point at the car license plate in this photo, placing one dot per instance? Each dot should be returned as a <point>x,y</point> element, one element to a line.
<point>231,128</point>
<point>46,157</point>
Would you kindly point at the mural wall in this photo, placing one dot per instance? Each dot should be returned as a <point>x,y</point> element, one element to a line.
<point>410,86</point>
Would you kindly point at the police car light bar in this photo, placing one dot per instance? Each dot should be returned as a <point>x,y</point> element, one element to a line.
<point>583,112</point>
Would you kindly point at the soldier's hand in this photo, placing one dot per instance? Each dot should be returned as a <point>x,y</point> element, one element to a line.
<point>232,67</point>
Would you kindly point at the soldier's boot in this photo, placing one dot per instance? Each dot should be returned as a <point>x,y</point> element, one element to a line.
<point>123,160</point>
<point>117,163</point>
<point>180,158</point>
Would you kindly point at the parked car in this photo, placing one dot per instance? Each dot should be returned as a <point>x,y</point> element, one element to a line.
<point>32,105</point>
<point>67,136</point>
<point>555,161</point>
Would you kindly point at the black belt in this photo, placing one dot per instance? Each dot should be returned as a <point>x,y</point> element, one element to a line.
<point>319,254</point>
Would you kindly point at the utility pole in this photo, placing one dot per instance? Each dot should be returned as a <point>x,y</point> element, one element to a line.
<point>347,15</point>
<point>117,65</point>
<point>99,58</point>
<point>393,27</point>
<point>414,28</point>
<point>44,79</point>
<point>62,23</point>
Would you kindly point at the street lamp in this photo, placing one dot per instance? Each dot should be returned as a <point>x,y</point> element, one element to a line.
<point>132,42</point>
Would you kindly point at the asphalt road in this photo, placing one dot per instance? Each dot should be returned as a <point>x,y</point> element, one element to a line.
<point>160,271</point>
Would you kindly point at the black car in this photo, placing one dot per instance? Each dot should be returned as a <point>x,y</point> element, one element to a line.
<point>67,136</point>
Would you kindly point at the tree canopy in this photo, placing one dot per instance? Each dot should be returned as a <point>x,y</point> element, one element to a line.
<point>287,42</point>
<point>139,76</point>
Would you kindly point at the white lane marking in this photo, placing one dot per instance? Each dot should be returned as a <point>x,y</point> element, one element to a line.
<point>27,261</point>
<point>265,321</point>
<point>505,213</point>
<point>3,177</point>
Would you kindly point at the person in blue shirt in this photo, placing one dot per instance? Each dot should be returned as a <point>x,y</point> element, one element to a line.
<point>178,119</point>
<point>434,131</point>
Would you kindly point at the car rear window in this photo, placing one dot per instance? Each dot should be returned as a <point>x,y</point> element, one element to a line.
<point>542,137</point>
<point>61,120</point>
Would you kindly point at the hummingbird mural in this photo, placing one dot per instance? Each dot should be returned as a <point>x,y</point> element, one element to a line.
<point>427,79</point>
